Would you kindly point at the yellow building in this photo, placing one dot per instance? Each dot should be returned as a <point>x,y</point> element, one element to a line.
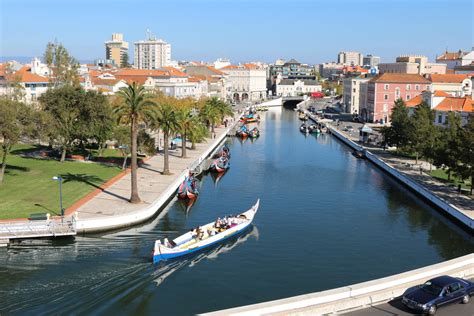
<point>117,49</point>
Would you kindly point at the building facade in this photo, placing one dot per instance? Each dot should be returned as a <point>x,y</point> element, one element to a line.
<point>456,59</point>
<point>352,94</point>
<point>412,64</point>
<point>291,69</point>
<point>385,89</point>
<point>350,58</point>
<point>371,61</point>
<point>152,54</point>
<point>296,87</point>
<point>247,82</point>
<point>117,50</point>
<point>457,85</point>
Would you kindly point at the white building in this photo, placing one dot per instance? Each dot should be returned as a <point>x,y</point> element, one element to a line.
<point>350,58</point>
<point>296,87</point>
<point>152,54</point>
<point>247,82</point>
<point>352,94</point>
<point>221,63</point>
<point>30,85</point>
<point>456,59</point>
<point>457,85</point>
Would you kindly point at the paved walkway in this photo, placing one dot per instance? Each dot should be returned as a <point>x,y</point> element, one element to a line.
<point>113,200</point>
<point>409,168</point>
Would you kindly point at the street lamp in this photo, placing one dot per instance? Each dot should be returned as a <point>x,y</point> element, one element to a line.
<point>60,181</point>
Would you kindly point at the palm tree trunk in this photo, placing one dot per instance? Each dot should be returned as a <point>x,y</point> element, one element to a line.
<point>183,145</point>
<point>4,164</point>
<point>134,198</point>
<point>166,167</point>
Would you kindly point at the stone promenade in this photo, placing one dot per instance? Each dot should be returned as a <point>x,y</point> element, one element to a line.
<point>113,200</point>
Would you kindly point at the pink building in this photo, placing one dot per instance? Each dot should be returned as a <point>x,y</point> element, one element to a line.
<point>383,90</point>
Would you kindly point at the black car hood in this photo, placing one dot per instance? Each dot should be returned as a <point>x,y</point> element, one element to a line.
<point>421,296</point>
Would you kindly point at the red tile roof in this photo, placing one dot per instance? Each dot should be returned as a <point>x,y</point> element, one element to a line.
<point>175,72</point>
<point>439,93</point>
<point>451,56</point>
<point>414,102</point>
<point>448,78</point>
<point>399,78</point>
<point>455,104</point>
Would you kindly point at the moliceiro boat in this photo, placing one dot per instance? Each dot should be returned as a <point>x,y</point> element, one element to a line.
<point>204,236</point>
<point>188,188</point>
<point>254,133</point>
<point>221,164</point>
<point>242,131</point>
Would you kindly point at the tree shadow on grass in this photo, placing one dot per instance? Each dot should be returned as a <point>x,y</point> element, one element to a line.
<point>11,168</point>
<point>91,180</point>
<point>27,150</point>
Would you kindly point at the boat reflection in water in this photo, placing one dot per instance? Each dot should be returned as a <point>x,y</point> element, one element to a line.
<point>166,268</point>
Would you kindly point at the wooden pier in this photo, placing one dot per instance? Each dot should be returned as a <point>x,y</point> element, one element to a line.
<point>36,229</point>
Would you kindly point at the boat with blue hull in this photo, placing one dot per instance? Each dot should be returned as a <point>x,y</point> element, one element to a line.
<point>220,164</point>
<point>205,236</point>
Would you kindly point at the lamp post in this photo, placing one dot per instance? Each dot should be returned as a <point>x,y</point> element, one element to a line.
<point>60,181</point>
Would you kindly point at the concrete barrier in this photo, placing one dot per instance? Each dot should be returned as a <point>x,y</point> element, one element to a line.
<point>355,296</point>
<point>133,218</point>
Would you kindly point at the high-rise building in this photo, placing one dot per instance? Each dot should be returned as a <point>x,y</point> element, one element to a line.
<point>117,50</point>
<point>371,61</point>
<point>350,58</point>
<point>152,54</point>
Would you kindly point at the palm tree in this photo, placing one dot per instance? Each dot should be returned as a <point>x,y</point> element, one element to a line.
<point>136,107</point>
<point>166,120</point>
<point>215,110</point>
<point>186,122</point>
<point>197,133</point>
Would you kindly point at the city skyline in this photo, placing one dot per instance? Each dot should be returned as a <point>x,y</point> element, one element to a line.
<point>241,30</point>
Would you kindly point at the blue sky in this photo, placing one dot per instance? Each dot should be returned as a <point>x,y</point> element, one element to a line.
<point>242,30</point>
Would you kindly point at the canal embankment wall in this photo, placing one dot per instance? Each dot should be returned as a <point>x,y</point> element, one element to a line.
<point>441,204</point>
<point>144,214</point>
<point>356,296</point>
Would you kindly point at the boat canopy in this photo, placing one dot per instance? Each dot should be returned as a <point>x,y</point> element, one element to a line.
<point>366,129</point>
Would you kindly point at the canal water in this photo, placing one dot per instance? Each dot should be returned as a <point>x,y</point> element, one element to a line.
<point>326,220</point>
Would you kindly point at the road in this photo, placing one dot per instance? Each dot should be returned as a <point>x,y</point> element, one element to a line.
<point>395,307</point>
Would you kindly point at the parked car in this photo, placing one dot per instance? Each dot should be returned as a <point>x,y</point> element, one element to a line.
<point>437,292</point>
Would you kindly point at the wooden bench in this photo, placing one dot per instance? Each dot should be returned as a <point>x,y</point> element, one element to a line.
<point>38,217</point>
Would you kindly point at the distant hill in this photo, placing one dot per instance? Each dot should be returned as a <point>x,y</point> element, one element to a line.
<point>20,59</point>
<point>27,59</point>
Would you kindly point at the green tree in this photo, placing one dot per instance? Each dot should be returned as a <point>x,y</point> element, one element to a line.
<point>96,120</point>
<point>136,107</point>
<point>466,156</point>
<point>14,122</point>
<point>64,66</point>
<point>401,127</point>
<point>166,120</point>
<point>13,88</point>
<point>423,129</point>
<point>63,105</point>
<point>451,146</point>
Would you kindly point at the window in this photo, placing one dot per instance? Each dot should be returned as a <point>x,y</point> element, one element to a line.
<point>408,97</point>
<point>440,119</point>
<point>385,96</point>
<point>428,87</point>
<point>397,93</point>
<point>386,86</point>
<point>385,107</point>
<point>408,87</point>
<point>417,87</point>
<point>354,90</point>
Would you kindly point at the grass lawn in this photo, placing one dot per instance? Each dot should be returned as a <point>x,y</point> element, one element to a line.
<point>28,187</point>
<point>442,175</point>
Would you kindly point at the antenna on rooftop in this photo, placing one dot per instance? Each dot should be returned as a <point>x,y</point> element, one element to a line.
<point>148,34</point>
